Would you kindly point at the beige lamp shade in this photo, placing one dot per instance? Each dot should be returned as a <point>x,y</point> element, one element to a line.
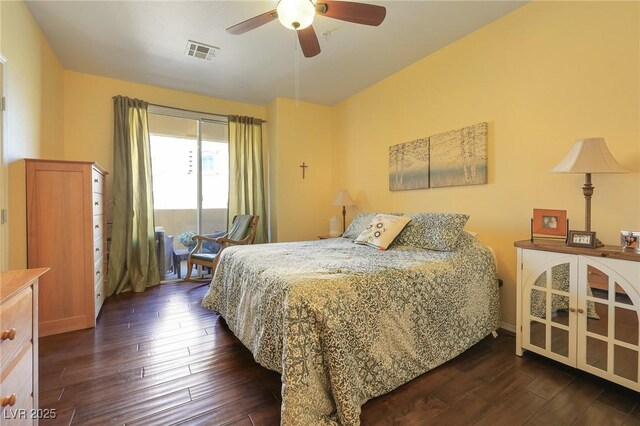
<point>589,156</point>
<point>343,199</point>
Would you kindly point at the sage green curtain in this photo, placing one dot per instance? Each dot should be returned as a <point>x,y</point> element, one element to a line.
<point>247,193</point>
<point>133,265</point>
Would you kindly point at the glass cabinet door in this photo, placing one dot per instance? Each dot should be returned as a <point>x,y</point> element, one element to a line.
<point>550,303</point>
<point>608,327</point>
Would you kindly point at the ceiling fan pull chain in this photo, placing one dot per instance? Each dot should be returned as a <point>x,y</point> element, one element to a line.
<point>296,70</point>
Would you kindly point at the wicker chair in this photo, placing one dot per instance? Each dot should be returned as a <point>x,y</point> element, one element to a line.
<point>242,232</point>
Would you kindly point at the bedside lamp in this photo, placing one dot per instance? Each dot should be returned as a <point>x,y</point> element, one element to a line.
<point>343,199</point>
<point>588,156</point>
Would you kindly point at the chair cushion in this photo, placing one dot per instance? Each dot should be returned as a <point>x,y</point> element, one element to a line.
<point>207,257</point>
<point>240,227</point>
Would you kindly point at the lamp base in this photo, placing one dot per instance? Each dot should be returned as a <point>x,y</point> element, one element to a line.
<point>344,219</point>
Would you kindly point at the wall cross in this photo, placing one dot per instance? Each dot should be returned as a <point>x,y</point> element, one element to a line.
<point>303,166</point>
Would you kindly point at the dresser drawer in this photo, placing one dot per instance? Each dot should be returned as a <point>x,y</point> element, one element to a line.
<point>16,314</point>
<point>98,251</point>
<point>98,270</point>
<point>19,382</point>
<point>98,226</point>
<point>98,182</point>
<point>99,292</point>
<point>98,208</point>
<point>99,288</point>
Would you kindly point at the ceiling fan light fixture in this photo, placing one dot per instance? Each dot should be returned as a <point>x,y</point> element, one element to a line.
<point>296,14</point>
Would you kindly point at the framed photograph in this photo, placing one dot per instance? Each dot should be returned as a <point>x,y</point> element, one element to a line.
<point>550,222</point>
<point>585,239</point>
<point>629,240</point>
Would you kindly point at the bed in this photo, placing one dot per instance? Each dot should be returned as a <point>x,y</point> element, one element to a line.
<point>344,323</point>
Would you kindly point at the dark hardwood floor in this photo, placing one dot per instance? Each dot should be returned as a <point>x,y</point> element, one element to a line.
<point>159,358</point>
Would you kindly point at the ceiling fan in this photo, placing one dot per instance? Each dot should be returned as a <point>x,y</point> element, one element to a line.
<point>298,15</point>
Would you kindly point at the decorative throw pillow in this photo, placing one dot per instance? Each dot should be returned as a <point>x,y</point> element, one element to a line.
<point>382,230</point>
<point>359,223</point>
<point>433,231</point>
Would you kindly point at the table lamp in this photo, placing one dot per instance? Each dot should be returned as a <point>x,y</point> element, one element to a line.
<point>589,156</point>
<point>343,199</point>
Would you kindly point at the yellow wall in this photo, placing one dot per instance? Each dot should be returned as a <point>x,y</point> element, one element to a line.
<point>88,112</point>
<point>543,76</point>
<point>34,126</point>
<point>299,132</point>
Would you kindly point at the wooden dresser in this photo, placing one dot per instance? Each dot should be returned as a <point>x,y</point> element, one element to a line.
<point>65,231</point>
<point>19,346</point>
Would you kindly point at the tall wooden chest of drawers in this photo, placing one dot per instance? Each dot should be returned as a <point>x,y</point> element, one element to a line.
<point>19,346</point>
<point>65,231</point>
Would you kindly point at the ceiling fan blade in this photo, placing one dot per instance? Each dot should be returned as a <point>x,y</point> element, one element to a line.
<point>359,13</point>
<point>309,42</point>
<point>253,23</point>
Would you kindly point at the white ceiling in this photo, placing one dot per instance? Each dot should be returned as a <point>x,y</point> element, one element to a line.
<point>144,41</point>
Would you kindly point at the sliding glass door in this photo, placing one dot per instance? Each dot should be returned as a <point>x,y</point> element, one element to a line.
<point>190,168</point>
<point>214,167</point>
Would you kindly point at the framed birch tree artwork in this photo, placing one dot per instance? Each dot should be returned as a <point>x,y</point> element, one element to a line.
<point>459,157</point>
<point>409,165</point>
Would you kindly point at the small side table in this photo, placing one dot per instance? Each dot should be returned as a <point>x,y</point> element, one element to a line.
<point>326,237</point>
<point>178,256</point>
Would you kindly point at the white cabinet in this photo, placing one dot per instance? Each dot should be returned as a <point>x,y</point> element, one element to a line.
<point>581,307</point>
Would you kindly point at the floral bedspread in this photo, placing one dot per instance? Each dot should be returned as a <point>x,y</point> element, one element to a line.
<point>344,323</point>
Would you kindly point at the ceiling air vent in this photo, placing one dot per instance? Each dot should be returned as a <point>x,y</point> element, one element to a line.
<point>201,50</point>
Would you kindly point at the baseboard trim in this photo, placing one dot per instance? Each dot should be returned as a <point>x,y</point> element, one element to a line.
<point>508,327</point>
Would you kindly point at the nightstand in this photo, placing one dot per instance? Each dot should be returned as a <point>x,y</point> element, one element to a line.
<point>326,237</point>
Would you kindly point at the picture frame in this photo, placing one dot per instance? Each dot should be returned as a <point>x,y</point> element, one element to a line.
<point>630,240</point>
<point>550,222</point>
<point>586,239</point>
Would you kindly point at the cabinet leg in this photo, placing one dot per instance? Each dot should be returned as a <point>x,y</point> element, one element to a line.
<point>519,336</point>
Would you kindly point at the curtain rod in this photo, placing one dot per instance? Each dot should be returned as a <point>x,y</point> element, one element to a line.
<point>201,112</point>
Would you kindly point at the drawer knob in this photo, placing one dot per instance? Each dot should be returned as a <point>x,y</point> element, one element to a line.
<point>97,272</point>
<point>9,334</point>
<point>572,309</point>
<point>9,400</point>
<point>96,203</point>
<point>97,249</point>
<point>580,311</point>
<point>95,180</point>
<point>97,226</point>
<point>99,294</point>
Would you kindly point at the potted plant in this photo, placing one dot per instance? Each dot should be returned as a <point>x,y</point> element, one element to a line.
<point>186,239</point>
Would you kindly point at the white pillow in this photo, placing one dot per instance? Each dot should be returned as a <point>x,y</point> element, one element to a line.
<point>382,230</point>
